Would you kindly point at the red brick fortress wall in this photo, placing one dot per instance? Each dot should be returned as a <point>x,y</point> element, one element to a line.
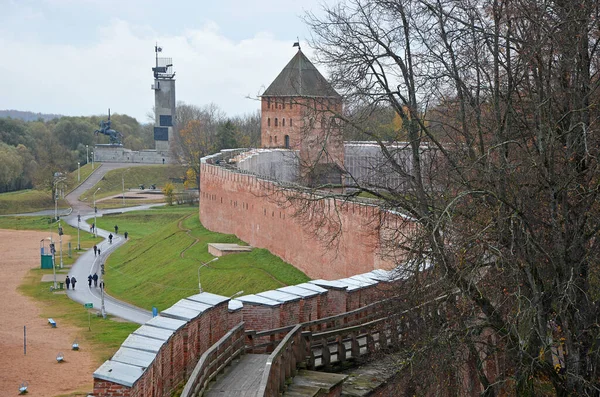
<point>251,208</point>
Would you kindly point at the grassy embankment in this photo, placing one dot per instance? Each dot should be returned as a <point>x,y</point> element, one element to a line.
<point>159,265</point>
<point>103,337</point>
<point>31,200</point>
<point>112,184</point>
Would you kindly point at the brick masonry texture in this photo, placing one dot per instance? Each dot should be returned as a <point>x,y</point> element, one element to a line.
<point>179,355</point>
<point>249,207</point>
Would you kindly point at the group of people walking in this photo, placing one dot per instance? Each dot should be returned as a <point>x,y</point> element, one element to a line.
<point>94,278</point>
<point>70,281</point>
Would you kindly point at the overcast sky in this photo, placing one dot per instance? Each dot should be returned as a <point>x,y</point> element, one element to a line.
<point>80,57</point>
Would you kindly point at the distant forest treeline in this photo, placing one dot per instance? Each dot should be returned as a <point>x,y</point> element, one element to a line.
<point>28,116</point>
<point>32,151</point>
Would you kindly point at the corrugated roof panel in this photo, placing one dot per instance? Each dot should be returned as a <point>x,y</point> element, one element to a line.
<point>135,357</point>
<point>154,332</point>
<point>143,343</point>
<point>335,284</point>
<point>192,305</point>
<point>294,290</point>
<point>353,285</point>
<point>180,313</point>
<point>279,296</point>
<point>379,275</point>
<point>364,279</point>
<point>234,305</point>
<point>122,374</point>
<point>312,287</point>
<point>258,300</point>
<point>208,298</point>
<point>166,323</point>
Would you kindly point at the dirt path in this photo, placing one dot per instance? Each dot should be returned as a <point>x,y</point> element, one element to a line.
<point>20,252</point>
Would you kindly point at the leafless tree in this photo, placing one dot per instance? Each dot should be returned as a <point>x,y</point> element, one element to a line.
<point>499,107</point>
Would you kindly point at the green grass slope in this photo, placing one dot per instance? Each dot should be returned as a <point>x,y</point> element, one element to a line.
<point>160,175</point>
<point>24,201</point>
<point>159,265</point>
<point>31,200</point>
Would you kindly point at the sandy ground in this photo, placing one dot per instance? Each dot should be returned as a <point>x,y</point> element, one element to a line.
<point>20,252</point>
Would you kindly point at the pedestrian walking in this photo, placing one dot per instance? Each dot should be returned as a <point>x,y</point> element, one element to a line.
<point>95,278</point>
<point>90,280</point>
<point>110,236</point>
<point>91,228</point>
<point>98,251</point>
<point>126,234</point>
<point>67,281</point>
<point>95,250</point>
<point>73,281</point>
<point>101,284</point>
<point>116,229</point>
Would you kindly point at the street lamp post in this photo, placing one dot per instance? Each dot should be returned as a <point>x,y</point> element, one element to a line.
<point>78,171</point>
<point>55,203</point>
<point>95,212</point>
<point>103,309</point>
<point>92,160</point>
<point>87,155</point>
<point>57,180</point>
<point>60,233</point>
<point>52,256</point>
<point>78,229</point>
<point>123,184</point>
<point>201,266</point>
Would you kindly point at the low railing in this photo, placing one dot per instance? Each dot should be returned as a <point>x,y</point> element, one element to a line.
<point>351,342</point>
<point>281,364</point>
<point>217,357</point>
<point>261,341</point>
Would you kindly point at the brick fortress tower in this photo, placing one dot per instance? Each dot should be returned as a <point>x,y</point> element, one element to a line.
<point>298,112</point>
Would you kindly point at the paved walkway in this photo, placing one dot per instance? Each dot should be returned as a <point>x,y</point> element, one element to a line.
<point>242,379</point>
<point>88,263</point>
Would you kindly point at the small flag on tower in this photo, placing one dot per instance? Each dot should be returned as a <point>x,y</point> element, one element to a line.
<point>296,44</point>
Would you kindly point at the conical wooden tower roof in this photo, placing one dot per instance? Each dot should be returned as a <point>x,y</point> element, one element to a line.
<point>300,78</point>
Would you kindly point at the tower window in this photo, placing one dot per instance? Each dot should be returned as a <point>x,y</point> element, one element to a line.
<point>275,139</point>
<point>283,121</point>
<point>286,140</point>
<point>290,122</point>
<point>269,103</point>
<point>269,121</point>
<point>276,123</point>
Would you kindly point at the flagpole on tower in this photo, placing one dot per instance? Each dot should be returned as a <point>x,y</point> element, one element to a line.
<point>297,44</point>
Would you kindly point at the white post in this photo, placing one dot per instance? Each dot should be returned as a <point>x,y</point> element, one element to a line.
<point>53,263</point>
<point>78,171</point>
<point>95,212</point>
<point>92,160</point>
<point>123,184</point>
<point>78,241</point>
<point>201,266</point>
<point>87,155</point>
<point>60,240</point>
<point>102,295</point>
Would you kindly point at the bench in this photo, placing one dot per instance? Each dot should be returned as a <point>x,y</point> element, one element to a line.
<point>52,322</point>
